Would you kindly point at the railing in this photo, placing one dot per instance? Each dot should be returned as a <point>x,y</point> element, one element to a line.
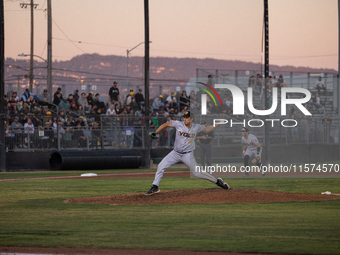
<point>126,131</point>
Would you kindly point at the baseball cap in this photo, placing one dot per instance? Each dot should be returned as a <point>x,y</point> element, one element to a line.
<point>244,129</point>
<point>172,93</point>
<point>140,90</point>
<point>160,96</point>
<point>188,114</point>
<point>131,93</point>
<point>16,117</point>
<point>45,90</point>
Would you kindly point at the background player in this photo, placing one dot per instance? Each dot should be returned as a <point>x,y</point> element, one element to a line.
<point>184,146</point>
<point>251,148</point>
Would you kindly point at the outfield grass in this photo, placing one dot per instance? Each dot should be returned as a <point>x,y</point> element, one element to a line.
<point>32,214</point>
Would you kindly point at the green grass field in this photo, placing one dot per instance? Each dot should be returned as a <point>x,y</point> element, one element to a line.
<point>32,214</point>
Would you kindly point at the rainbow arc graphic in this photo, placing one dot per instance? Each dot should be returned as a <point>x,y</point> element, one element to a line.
<point>209,93</point>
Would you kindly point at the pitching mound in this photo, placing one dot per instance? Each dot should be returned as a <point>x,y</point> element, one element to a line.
<point>203,196</point>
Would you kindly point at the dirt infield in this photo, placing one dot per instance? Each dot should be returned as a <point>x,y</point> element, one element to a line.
<point>203,196</point>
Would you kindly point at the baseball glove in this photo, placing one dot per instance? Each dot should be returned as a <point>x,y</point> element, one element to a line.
<point>153,135</point>
<point>256,159</point>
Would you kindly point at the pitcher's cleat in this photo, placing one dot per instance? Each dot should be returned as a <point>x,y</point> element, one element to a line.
<point>154,189</point>
<point>222,183</point>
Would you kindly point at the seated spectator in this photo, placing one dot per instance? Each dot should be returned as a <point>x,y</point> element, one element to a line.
<point>157,102</point>
<point>70,98</point>
<point>100,105</point>
<point>129,98</point>
<point>44,98</point>
<point>172,100</point>
<point>184,100</point>
<point>67,137</point>
<point>56,93</point>
<point>76,95</point>
<point>26,95</point>
<point>80,110</point>
<point>316,102</point>
<point>57,98</point>
<point>320,86</point>
<point>111,110</point>
<point>64,104</point>
<point>82,101</point>
<point>139,98</point>
<point>117,109</point>
<point>15,97</point>
<point>134,106</point>
<point>59,130</point>
<point>90,101</point>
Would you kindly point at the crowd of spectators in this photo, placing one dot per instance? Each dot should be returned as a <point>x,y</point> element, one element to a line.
<point>37,120</point>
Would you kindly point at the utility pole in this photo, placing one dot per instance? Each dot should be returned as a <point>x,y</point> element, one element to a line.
<point>146,83</point>
<point>32,5</point>
<point>2,89</point>
<point>266,75</point>
<point>49,48</point>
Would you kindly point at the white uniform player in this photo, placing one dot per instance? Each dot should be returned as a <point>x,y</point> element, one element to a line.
<point>184,146</point>
<point>251,149</point>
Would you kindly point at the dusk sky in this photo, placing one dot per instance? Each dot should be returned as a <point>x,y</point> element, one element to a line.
<point>302,32</point>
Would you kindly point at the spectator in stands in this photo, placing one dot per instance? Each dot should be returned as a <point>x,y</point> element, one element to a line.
<point>28,131</point>
<point>67,137</point>
<point>294,131</point>
<point>26,95</point>
<point>57,98</point>
<point>111,110</point>
<point>327,120</point>
<point>139,98</point>
<point>172,100</point>
<point>83,102</point>
<point>44,98</point>
<point>14,109</point>
<point>114,92</point>
<point>100,105</point>
<point>158,102</point>
<point>70,99</point>
<point>76,95</point>
<point>73,107</point>
<point>86,137</point>
<point>210,81</point>
<point>17,129</point>
<point>184,100</point>
<point>57,92</point>
<point>90,101</point>
<point>316,102</point>
<point>259,83</point>
<point>96,134</point>
<point>77,134</point>
<point>134,106</point>
<point>320,85</point>
<point>80,110</point>
<point>117,109</point>
<point>129,98</point>
<point>181,113</point>
<point>15,97</point>
<point>280,83</point>
<point>251,81</point>
<point>64,104</point>
<point>61,132</point>
<point>49,133</point>
<point>39,140</point>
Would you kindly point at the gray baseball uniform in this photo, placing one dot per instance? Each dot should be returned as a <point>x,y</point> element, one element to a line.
<point>183,151</point>
<point>251,143</point>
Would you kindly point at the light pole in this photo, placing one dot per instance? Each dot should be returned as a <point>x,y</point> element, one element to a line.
<point>24,5</point>
<point>31,69</point>
<point>127,64</point>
